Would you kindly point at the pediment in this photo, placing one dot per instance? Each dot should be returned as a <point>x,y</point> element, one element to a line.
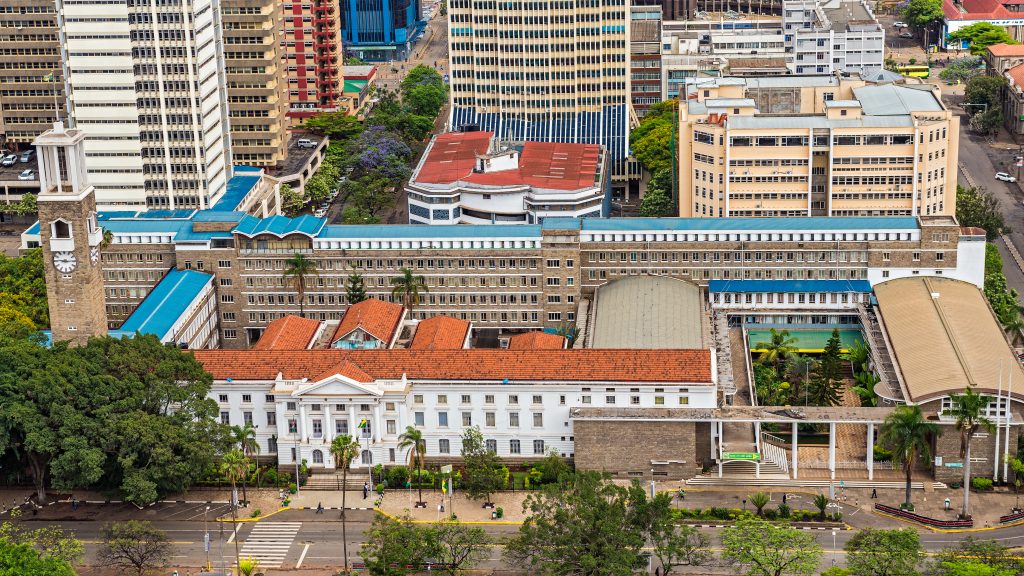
<point>339,385</point>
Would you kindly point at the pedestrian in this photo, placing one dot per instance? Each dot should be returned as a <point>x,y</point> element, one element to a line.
<point>74,503</point>
<point>657,571</point>
<point>319,508</point>
<point>874,493</point>
<point>784,497</point>
<point>366,490</point>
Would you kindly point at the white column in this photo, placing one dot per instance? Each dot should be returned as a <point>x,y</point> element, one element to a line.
<point>720,449</point>
<point>794,444</point>
<point>352,430</point>
<point>328,425</point>
<point>871,450</point>
<point>757,448</point>
<point>302,423</point>
<point>72,167</point>
<point>281,431</point>
<point>376,422</point>
<point>832,450</point>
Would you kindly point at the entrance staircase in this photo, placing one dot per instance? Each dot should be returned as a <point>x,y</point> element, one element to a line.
<point>749,480</point>
<point>331,481</point>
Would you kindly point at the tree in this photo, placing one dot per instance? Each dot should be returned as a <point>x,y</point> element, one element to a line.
<point>984,92</point>
<point>672,544</point>
<point>906,433</point>
<point>338,126</point>
<point>49,541</point>
<point>961,70</point>
<point>874,552</point>
<point>23,286</point>
<point>652,142</point>
<point>344,449</point>
<point>826,387</point>
<point>234,465</point>
<point>135,545</point>
<point>986,552</point>
<point>291,201</point>
<point>355,288</point>
<point>821,503</point>
<point>394,547</point>
<point>988,121</point>
<point>777,349</point>
<point>981,35</point>
<point>922,13</point>
<point>657,200</point>
<point>798,370</point>
<point>585,527</point>
<point>969,410</point>
<point>484,474</point>
<point>425,99</point>
<point>245,438</point>
<point>412,440</point>
<point>457,547</point>
<point>971,568</point>
<point>759,500</point>
<point>408,287</point>
<point>298,268</point>
<point>19,559</point>
<point>765,549</point>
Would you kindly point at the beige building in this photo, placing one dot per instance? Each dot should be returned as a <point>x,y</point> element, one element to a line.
<point>257,81</point>
<point>815,146</point>
<point>29,54</point>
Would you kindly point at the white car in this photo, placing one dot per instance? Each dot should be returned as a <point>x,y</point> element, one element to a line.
<point>27,174</point>
<point>320,212</point>
<point>899,24</point>
<point>8,160</point>
<point>306,143</point>
<point>1005,177</point>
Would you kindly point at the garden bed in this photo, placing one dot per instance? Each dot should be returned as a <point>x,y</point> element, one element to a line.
<point>730,515</point>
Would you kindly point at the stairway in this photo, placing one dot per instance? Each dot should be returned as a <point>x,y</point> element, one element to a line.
<point>881,362</point>
<point>332,481</point>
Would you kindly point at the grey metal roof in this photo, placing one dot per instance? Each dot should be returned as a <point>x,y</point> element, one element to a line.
<point>842,104</point>
<point>880,75</point>
<point>804,121</point>
<point>695,107</point>
<point>794,81</point>
<point>729,102</point>
<point>891,100</point>
<point>649,312</point>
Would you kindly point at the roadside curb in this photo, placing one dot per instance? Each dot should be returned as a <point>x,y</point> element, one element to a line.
<point>257,519</point>
<point>947,530</point>
<point>472,522</point>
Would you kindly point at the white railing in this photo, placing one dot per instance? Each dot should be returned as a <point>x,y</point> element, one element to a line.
<point>772,452</point>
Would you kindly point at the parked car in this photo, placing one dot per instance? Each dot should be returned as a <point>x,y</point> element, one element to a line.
<point>905,35</point>
<point>900,24</point>
<point>1005,177</point>
<point>320,212</point>
<point>8,160</point>
<point>27,156</point>
<point>306,143</point>
<point>27,174</point>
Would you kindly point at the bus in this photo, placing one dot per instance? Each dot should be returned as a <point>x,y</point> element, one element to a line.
<point>915,71</point>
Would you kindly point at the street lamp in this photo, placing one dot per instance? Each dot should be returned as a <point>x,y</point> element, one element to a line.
<point>833,547</point>
<point>206,537</point>
<point>297,454</point>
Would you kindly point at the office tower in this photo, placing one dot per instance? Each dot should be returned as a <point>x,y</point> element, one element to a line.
<point>832,36</point>
<point>815,146</point>
<point>543,71</point>
<point>257,81</point>
<point>31,79</point>
<point>312,47</point>
<point>379,30</point>
<point>146,84</point>
<point>645,57</point>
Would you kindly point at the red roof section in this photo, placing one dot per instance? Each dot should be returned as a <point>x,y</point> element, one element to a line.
<point>288,333</point>
<point>347,369</point>
<point>377,318</point>
<point>1017,74</point>
<point>552,165</point>
<point>978,10</point>
<point>440,333</point>
<point>536,340</point>
<point>474,364</point>
<point>1003,50</point>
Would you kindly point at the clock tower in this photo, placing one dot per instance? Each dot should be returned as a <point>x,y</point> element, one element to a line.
<point>71,237</point>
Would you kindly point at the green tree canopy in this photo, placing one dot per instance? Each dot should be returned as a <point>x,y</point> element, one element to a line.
<point>984,93</point>
<point>335,125</point>
<point>981,35</point>
<point>22,559</point>
<point>979,208</point>
<point>884,552</point>
<point>657,200</point>
<point>921,13</point>
<point>961,70</point>
<point>765,549</point>
<point>23,286</point>
<point>484,473</point>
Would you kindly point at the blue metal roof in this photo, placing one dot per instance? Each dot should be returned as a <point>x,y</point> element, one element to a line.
<point>730,224</point>
<point>785,286</point>
<point>396,231</point>
<point>217,216</point>
<point>166,302</point>
<point>280,226</point>
<point>158,214</point>
<point>243,180</point>
<point>33,229</point>
<point>144,226</point>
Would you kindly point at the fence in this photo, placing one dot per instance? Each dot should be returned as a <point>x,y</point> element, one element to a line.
<point>906,515</point>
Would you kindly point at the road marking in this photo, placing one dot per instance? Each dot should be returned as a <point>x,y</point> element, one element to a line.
<point>303,555</point>
<point>269,542</point>
<point>233,534</point>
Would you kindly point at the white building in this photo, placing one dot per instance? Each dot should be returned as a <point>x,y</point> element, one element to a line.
<point>468,178</point>
<point>833,36</point>
<point>300,400</point>
<point>146,82</point>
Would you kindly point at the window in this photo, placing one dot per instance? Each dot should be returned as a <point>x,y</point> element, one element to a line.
<point>271,418</point>
<point>538,446</point>
<point>634,400</point>
<point>659,400</point>
<point>492,446</point>
<point>246,398</point>
<point>609,399</point>
<point>418,418</point>
<point>442,398</point>
<point>538,399</point>
<point>247,417</point>
<point>223,397</point>
<point>268,398</point>
<point>538,420</point>
<point>513,446</point>
<point>442,419</point>
<point>886,256</point>
<point>467,418</point>
<point>391,426</point>
<point>513,399</point>
<point>489,419</point>
<point>684,400</point>
<point>225,417</point>
<point>465,399</point>
<point>585,400</point>
<point>916,257</point>
<point>272,445</point>
<point>489,399</point>
<point>417,399</point>
<point>940,256</point>
<point>293,426</point>
<point>513,420</point>
<point>444,446</point>
<point>290,405</point>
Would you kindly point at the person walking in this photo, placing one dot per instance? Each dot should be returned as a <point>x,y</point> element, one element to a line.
<point>874,493</point>
<point>366,490</point>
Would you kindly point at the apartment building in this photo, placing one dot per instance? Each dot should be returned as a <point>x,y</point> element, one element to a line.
<point>257,81</point>
<point>381,30</point>
<point>147,85</point>
<point>313,55</point>
<point>553,71</point>
<point>31,76</point>
<point>645,57</point>
<point>815,146</point>
<point>833,36</point>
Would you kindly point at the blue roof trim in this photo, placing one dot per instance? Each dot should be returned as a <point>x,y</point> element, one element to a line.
<point>280,226</point>
<point>730,224</point>
<point>786,286</point>
<point>399,231</point>
<point>218,216</point>
<point>33,229</point>
<point>242,181</point>
<point>143,226</point>
<point>166,302</point>
<point>170,214</point>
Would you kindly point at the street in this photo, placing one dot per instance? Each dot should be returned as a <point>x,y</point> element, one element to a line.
<point>431,50</point>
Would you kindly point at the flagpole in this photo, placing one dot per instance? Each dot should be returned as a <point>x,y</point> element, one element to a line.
<point>1009,414</point>
<point>56,110</point>
<point>999,395</point>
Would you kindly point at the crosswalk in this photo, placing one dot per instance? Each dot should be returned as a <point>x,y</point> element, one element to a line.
<point>269,542</point>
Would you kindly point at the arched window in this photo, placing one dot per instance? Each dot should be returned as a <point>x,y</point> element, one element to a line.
<point>318,457</point>
<point>60,229</point>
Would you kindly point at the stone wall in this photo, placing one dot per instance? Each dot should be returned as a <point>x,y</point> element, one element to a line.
<point>633,449</point>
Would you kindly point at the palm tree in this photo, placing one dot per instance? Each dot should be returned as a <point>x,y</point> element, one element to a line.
<point>344,449</point>
<point>413,440</point>
<point>906,433</point>
<point>245,438</point>
<point>234,465</point>
<point>407,287</point>
<point>297,268</point>
<point>798,369</point>
<point>778,349</point>
<point>968,409</point>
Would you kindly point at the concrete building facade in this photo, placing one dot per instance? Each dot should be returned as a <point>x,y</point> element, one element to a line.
<point>833,36</point>
<point>381,30</point>
<point>314,57</point>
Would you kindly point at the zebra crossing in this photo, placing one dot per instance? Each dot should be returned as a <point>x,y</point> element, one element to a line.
<point>269,542</point>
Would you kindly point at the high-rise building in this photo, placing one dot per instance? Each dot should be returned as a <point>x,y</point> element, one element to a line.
<point>146,83</point>
<point>815,146</point>
<point>825,37</point>
<point>378,30</point>
<point>645,57</point>
<point>313,54</point>
<point>552,71</point>
<point>257,81</point>
<point>31,79</point>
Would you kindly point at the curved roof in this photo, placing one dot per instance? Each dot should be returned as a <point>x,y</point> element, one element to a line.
<point>280,226</point>
<point>648,312</point>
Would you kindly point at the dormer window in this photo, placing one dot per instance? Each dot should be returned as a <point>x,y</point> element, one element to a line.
<point>61,230</point>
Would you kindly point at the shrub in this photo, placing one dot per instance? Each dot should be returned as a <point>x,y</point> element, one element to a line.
<point>270,476</point>
<point>380,488</point>
<point>256,513</point>
<point>981,483</point>
<point>771,515</point>
<point>784,510</point>
<point>286,502</point>
<point>292,488</point>
<point>759,500</point>
<point>881,454</point>
<point>397,475</point>
<point>718,513</point>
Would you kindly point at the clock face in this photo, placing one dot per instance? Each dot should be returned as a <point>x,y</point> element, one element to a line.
<point>64,261</point>
<point>94,254</point>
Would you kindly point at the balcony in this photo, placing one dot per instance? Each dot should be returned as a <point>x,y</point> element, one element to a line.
<point>332,82</point>
<point>324,7</point>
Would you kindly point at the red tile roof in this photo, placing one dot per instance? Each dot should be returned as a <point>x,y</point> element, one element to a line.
<point>377,318</point>
<point>1003,50</point>
<point>288,333</point>
<point>347,369</point>
<point>536,340</point>
<point>440,333</point>
<point>551,165</point>
<point>971,231</point>
<point>1017,75</point>
<point>475,364</point>
<point>978,10</point>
